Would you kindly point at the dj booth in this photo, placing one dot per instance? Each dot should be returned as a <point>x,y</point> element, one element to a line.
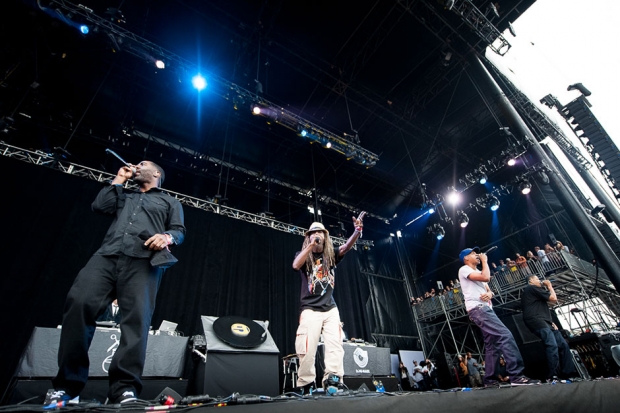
<point>165,355</point>
<point>164,364</point>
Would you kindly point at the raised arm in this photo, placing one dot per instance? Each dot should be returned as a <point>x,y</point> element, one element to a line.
<point>359,226</point>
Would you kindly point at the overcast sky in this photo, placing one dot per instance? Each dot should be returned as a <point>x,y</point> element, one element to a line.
<point>562,42</point>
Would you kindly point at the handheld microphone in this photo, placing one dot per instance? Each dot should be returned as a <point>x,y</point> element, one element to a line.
<point>317,240</point>
<point>117,156</point>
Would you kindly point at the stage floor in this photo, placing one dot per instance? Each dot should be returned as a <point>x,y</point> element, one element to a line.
<point>601,396</point>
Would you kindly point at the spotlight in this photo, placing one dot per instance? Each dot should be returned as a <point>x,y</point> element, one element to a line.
<point>454,197</point>
<point>311,209</point>
<point>542,177</point>
<point>328,145</point>
<point>199,82</point>
<point>303,132</point>
<point>391,234</point>
<point>511,161</point>
<point>525,187</point>
<point>462,219</point>
<point>257,110</point>
<point>399,234</point>
<point>440,232</point>
<point>160,64</point>
<point>431,210</point>
<point>483,179</point>
<point>493,203</point>
<point>84,29</point>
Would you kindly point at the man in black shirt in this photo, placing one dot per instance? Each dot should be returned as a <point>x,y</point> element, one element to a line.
<point>145,221</point>
<point>316,263</point>
<point>537,318</point>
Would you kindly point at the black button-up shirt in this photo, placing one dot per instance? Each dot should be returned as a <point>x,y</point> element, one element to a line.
<point>153,211</point>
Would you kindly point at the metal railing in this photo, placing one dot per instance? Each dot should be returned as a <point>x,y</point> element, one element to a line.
<point>502,282</point>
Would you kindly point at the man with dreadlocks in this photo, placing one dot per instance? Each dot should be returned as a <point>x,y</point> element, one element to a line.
<point>316,263</point>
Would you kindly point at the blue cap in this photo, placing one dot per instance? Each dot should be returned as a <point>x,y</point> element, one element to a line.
<point>468,251</point>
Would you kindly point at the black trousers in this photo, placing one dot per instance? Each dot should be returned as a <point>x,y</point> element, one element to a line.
<point>134,282</point>
<point>559,357</point>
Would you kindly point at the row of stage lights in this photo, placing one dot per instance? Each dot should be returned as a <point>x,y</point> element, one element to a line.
<point>84,19</point>
<point>79,16</point>
<point>348,147</point>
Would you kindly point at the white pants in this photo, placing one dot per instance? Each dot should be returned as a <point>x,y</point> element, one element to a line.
<point>311,325</point>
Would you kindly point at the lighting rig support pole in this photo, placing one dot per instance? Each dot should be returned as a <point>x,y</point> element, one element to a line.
<point>603,252</point>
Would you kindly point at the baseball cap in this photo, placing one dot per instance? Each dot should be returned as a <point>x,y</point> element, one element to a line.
<point>317,226</point>
<point>468,251</point>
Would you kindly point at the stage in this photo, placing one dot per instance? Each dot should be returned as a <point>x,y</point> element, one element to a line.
<point>600,396</point>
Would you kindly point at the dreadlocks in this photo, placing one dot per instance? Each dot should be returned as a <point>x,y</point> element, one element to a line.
<point>329,256</point>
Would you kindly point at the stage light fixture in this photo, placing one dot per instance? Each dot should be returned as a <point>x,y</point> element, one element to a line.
<point>311,209</point>
<point>462,219</point>
<point>257,111</point>
<point>525,187</point>
<point>454,197</point>
<point>511,161</point>
<point>160,64</point>
<point>440,232</point>
<point>399,234</point>
<point>493,203</point>
<point>84,29</point>
<point>199,82</point>
<point>431,210</point>
<point>483,178</point>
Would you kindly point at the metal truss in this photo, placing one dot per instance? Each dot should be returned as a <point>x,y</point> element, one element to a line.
<point>255,174</point>
<point>442,320</point>
<point>50,160</point>
<point>479,23</point>
<point>543,125</point>
<point>142,48</point>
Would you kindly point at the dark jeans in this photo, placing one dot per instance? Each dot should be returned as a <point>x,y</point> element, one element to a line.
<point>498,340</point>
<point>134,282</point>
<point>559,358</point>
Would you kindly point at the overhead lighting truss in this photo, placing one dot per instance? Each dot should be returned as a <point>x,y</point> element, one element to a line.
<point>45,159</point>
<point>309,193</point>
<point>228,90</point>
<point>478,22</point>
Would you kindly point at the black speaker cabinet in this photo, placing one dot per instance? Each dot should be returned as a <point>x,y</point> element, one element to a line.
<point>526,334</point>
<point>243,370</point>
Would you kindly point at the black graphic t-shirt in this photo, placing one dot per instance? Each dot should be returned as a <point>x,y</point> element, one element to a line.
<point>317,286</point>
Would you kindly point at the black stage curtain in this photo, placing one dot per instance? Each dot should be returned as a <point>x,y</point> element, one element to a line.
<point>226,267</point>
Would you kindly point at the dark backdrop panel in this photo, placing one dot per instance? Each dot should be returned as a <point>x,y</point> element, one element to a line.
<point>226,267</point>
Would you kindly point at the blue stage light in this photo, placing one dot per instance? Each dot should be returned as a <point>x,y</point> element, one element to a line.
<point>199,82</point>
<point>431,210</point>
<point>440,236</point>
<point>304,133</point>
<point>84,29</point>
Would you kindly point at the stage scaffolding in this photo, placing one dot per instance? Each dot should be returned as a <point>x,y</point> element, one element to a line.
<point>586,300</point>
